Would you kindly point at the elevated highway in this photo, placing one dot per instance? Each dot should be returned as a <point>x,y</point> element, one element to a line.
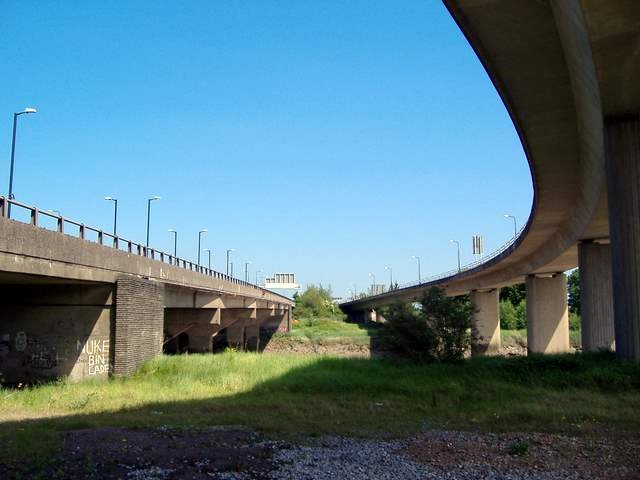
<point>77,301</point>
<point>568,72</point>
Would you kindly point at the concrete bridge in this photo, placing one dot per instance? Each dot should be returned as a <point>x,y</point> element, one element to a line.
<point>568,72</point>
<point>77,301</point>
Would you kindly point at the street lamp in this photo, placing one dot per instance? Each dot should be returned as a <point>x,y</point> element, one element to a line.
<point>458,245</point>
<point>208,250</point>
<point>415,257</point>
<point>515,227</point>
<point>231,269</point>
<point>260,270</point>
<point>175,242</point>
<point>204,230</point>
<point>115,214</point>
<point>373,282</point>
<point>390,277</point>
<point>27,111</point>
<point>228,252</point>
<point>149,214</point>
<point>246,271</point>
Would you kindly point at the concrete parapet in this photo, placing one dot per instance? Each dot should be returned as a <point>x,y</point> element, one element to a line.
<point>485,323</point>
<point>547,314</point>
<point>138,326</point>
<point>622,155</point>
<point>596,296</point>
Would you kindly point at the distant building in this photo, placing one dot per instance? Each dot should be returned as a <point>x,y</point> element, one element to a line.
<point>281,281</point>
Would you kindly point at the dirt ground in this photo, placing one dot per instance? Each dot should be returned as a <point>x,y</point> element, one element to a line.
<point>223,453</point>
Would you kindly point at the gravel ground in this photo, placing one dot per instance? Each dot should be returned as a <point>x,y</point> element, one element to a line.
<point>240,454</point>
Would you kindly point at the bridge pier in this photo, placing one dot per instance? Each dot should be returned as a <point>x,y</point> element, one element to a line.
<point>596,296</point>
<point>138,326</point>
<point>196,326</point>
<point>547,314</point>
<point>622,155</point>
<point>485,323</point>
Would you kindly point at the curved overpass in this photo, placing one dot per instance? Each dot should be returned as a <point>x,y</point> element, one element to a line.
<point>568,72</point>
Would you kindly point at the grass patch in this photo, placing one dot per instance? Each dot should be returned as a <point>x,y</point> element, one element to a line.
<point>329,331</point>
<point>312,395</point>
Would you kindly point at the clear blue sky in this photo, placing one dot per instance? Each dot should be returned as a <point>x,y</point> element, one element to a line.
<point>329,139</point>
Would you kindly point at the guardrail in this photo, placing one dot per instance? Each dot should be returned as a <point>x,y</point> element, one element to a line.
<point>450,273</point>
<point>109,240</point>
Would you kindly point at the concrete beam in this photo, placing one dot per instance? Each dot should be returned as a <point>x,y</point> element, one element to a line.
<point>596,296</point>
<point>623,181</point>
<point>547,314</point>
<point>485,323</point>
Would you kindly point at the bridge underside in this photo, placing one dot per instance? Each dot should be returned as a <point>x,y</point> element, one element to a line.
<point>51,327</point>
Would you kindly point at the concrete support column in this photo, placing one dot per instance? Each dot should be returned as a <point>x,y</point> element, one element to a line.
<point>139,320</point>
<point>547,314</point>
<point>622,154</point>
<point>485,323</point>
<point>237,320</point>
<point>596,296</point>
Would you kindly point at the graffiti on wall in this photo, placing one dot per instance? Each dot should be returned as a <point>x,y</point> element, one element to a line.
<point>96,356</point>
<point>27,351</point>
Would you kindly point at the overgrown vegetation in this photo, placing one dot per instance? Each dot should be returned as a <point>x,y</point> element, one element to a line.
<point>328,331</point>
<point>315,302</point>
<point>436,329</point>
<point>313,394</point>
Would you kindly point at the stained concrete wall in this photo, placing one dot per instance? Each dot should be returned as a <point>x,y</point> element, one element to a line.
<point>623,179</point>
<point>55,330</point>
<point>547,314</point>
<point>596,296</point>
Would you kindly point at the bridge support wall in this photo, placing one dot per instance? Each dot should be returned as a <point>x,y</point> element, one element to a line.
<point>197,324</point>
<point>48,331</point>
<point>547,314</point>
<point>596,296</point>
<point>138,326</point>
<point>622,153</point>
<point>485,323</point>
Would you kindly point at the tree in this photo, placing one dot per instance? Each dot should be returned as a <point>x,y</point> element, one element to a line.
<point>437,329</point>
<point>316,301</point>
<point>573,286</point>
<point>514,293</point>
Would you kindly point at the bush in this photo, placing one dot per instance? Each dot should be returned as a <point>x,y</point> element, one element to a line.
<point>513,318</point>
<point>316,301</point>
<point>521,315</point>
<point>575,322</point>
<point>507,315</point>
<point>436,329</point>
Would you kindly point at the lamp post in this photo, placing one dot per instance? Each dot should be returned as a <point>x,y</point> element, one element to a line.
<point>115,214</point>
<point>175,242</point>
<point>260,270</point>
<point>246,271</point>
<point>373,282</point>
<point>390,277</point>
<point>228,252</point>
<point>458,245</point>
<point>149,214</point>
<point>27,111</point>
<point>515,226</point>
<point>231,264</point>
<point>415,257</point>
<point>204,230</point>
<point>208,250</point>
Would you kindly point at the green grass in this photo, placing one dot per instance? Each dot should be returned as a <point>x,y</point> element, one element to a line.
<point>288,394</point>
<point>327,331</point>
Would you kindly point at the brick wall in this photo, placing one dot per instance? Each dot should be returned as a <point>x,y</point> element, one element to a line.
<point>138,326</point>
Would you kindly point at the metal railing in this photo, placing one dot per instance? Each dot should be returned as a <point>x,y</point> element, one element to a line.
<point>109,240</point>
<point>451,273</point>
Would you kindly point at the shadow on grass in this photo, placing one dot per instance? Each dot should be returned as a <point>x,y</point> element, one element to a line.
<point>577,393</point>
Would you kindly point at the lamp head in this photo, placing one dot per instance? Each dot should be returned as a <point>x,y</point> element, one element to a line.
<point>172,230</point>
<point>29,110</point>
<point>155,197</point>
<point>204,230</point>
<point>109,198</point>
